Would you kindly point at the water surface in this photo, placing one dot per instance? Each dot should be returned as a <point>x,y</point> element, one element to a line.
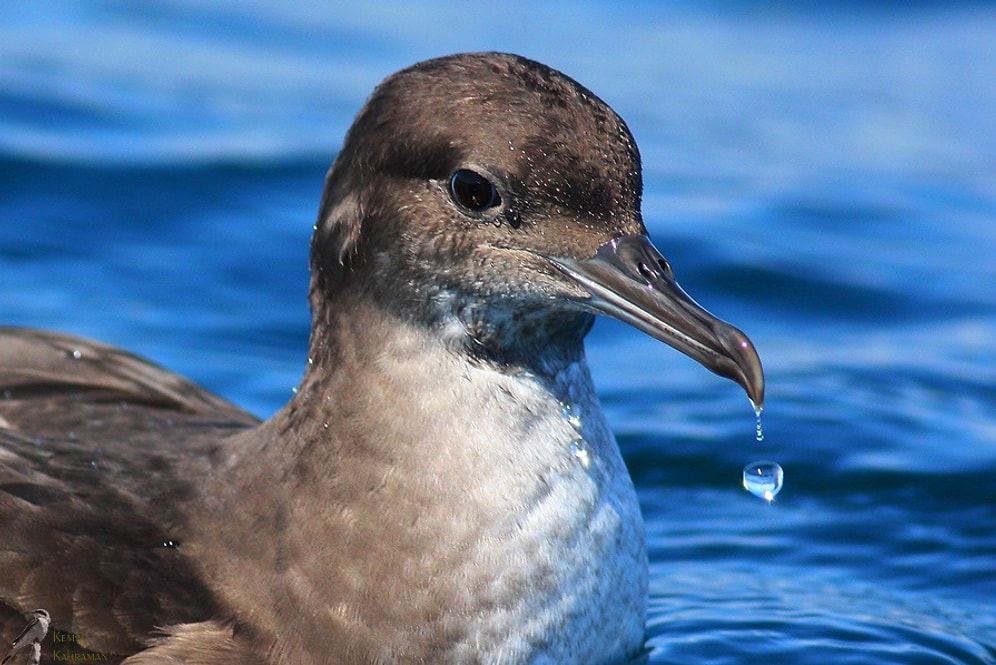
<point>822,177</point>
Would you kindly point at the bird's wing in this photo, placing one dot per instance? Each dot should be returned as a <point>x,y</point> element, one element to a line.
<point>95,449</point>
<point>31,624</point>
<point>43,365</point>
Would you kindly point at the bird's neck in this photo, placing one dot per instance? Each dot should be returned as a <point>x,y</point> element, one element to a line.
<point>463,370</point>
<point>495,488</point>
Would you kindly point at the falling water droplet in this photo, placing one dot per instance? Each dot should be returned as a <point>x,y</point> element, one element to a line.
<point>758,429</point>
<point>763,479</point>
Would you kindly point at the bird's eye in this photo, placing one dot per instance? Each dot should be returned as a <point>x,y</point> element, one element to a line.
<point>473,191</point>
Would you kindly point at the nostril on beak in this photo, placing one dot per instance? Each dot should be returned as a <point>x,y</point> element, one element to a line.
<point>665,268</point>
<point>652,273</point>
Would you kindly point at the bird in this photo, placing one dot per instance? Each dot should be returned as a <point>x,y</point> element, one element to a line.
<point>32,635</point>
<point>443,485</point>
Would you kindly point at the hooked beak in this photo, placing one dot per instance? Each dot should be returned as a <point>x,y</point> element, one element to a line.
<point>628,279</point>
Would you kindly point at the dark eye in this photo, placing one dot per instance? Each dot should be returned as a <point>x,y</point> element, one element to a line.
<point>473,191</point>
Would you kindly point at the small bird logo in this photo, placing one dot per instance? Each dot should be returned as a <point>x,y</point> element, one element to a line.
<point>32,635</point>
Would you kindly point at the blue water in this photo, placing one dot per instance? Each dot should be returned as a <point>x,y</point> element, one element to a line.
<point>824,177</point>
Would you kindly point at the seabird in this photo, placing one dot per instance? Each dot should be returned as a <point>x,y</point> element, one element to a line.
<point>443,486</point>
<point>34,632</point>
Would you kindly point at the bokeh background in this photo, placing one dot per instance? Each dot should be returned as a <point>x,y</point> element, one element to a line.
<point>821,174</point>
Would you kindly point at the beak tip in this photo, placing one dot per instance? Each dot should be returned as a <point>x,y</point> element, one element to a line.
<point>749,371</point>
<point>739,361</point>
<point>755,392</point>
